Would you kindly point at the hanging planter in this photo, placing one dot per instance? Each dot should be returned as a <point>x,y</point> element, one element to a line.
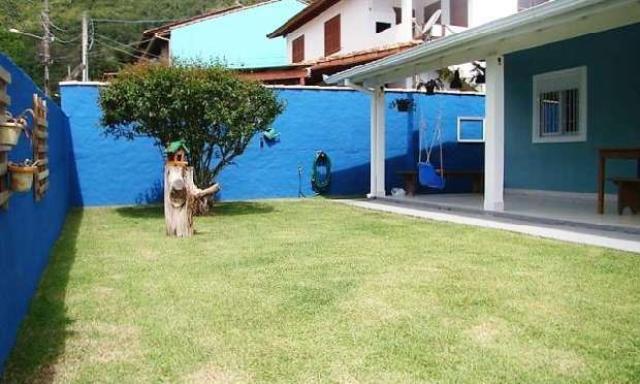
<point>10,131</point>
<point>22,175</point>
<point>402,105</point>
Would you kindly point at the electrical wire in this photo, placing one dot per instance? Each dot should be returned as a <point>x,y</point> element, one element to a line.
<point>103,44</point>
<point>130,45</point>
<point>116,21</point>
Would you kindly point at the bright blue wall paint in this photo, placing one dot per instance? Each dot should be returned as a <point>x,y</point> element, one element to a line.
<point>614,96</point>
<point>28,229</point>
<point>114,172</point>
<point>239,38</point>
<point>110,172</point>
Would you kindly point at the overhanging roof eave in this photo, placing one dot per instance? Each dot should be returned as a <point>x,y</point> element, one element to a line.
<point>502,36</point>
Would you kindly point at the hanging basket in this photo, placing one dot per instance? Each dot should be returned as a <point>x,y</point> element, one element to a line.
<point>22,177</point>
<point>10,132</point>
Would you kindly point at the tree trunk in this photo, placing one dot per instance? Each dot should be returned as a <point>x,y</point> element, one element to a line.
<point>181,197</point>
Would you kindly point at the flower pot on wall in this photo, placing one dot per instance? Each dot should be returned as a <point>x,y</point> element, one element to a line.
<point>10,132</point>
<point>22,177</point>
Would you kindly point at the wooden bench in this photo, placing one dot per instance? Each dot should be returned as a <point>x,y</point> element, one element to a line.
<point>477,178</point>
<point>628,193</point>
<point>410,179</point>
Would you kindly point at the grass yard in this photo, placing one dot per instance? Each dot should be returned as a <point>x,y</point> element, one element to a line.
<point>316,292</point>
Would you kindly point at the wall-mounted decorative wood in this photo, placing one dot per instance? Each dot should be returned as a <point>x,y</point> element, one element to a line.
<point>40,147</point>
<point>5,101</point>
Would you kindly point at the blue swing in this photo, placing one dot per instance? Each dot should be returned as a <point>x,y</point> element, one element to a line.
<point>428,175</point>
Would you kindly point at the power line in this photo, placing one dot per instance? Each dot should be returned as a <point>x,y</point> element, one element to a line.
<point>131,45</point>
<point>116,21</point>
<point>101,42</point>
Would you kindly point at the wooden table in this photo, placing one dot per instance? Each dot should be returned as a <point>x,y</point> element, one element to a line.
<point>612,153</point>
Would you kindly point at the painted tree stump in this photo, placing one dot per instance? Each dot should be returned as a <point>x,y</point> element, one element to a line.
<point>180,198</point>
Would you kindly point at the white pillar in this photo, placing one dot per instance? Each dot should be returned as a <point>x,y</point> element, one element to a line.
<point>494,135</point>
<point>374,146</point>
<point>407,21</point>
<point>380,142</point>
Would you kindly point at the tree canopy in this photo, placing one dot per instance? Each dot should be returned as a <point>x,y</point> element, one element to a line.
<point>208,106</point>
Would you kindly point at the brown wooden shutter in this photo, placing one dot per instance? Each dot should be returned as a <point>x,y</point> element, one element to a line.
<point>460,13</point>
<point>332,36</point>
<point>297,48</point>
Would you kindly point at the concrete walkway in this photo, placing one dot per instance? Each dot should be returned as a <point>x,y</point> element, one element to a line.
<point>608,239</point>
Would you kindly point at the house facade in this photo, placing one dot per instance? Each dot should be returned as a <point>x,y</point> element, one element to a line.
<point>560,103</point>
<point>330,27</point>
<point>234,36</point>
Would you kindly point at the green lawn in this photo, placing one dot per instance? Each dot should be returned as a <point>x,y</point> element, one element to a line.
<point>316,291</point>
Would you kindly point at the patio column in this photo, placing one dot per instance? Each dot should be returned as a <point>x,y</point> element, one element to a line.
<point>377,137</point>
<point>373,163</point>
<point>494,135</point>
<point>381,155</point>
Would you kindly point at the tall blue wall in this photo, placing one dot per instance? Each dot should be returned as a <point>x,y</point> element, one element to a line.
<point>28,229</point>
<point>247,46</point>
<point>112,172</point>
<point>613,98</point>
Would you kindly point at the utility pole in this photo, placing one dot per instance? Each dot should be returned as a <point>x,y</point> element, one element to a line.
<point>85,46</point>
<point>46,45</point>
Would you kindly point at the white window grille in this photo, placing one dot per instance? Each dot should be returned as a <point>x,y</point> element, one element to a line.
<point>560,106</point>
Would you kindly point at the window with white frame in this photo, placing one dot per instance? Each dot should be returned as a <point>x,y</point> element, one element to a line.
<point>560,106</point>
<point>470,129</point>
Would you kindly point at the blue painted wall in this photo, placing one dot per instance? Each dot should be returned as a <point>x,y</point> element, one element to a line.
<point>613,98</point>
<point>28,229</point>
<point>238,38</point>
<point>114,172</point>
<point>109,172</point>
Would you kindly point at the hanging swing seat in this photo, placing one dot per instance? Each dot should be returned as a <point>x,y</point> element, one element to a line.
<point>430,176</point>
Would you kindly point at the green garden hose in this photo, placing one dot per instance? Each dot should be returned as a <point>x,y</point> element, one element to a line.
<point>321,173</point>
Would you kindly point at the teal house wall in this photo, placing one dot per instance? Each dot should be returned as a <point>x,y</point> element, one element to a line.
<point>611,59</point>
<point>238,38</point>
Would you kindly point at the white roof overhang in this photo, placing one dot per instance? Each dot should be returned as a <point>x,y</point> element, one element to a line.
<point>554,21</point>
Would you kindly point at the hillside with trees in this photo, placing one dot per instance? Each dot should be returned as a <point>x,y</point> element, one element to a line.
<point>116,26</point>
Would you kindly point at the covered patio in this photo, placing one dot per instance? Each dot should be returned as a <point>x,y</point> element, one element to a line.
<point>519,179</point>
<point>553,209</point>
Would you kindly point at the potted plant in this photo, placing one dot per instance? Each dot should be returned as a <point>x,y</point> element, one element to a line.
<point>22,175</point>
<point>430,86</point>
<point>10,131</point>
<point>402,104</point>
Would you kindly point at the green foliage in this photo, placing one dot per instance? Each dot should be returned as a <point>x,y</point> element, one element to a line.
<point>209,107</point>
<point>67,14</point>
<point>14,46</point>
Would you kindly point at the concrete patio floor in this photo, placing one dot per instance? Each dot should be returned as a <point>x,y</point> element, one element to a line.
<point>551,217</point>
<point>546,209</point>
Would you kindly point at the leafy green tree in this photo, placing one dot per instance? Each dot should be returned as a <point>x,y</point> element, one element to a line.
<point>15,46</point>
<point>208,106</point>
